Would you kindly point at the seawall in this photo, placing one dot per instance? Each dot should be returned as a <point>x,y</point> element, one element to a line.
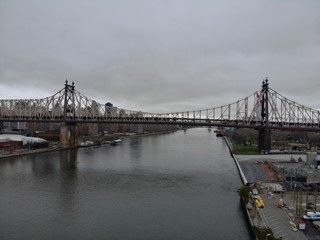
<point>243,177</point>
<point>245,182</point>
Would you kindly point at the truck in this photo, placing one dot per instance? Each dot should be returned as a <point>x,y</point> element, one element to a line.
<point>259,201</point>
<point>300,223</point>
<point>313,216</point>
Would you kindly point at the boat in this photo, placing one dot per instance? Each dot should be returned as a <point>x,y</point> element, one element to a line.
<point>116,142</point>
<point>219,134</point>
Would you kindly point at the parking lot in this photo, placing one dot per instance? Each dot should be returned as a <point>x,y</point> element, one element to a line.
<point>278,219</point>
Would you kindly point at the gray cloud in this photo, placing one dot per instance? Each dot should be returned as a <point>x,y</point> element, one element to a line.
<point>160,55</point>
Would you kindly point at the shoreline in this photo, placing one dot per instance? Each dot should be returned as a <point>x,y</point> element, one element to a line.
<point>246,213</point>
<point>242,176</point>
<point>270,217</point>
<point>53,149</point>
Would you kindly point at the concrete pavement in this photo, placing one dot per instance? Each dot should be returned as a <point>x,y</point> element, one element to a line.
<point>278,219</point>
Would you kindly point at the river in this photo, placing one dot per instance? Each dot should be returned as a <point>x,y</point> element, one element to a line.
<point>180,185</point>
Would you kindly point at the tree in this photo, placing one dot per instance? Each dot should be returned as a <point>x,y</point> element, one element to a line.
<point>244,193</point>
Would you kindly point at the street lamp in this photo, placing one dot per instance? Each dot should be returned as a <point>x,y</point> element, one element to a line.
<point>267,236</point>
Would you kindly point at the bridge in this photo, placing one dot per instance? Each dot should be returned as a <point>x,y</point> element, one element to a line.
<point>264,110</point>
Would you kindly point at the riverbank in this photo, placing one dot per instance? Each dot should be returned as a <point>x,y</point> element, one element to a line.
<point>22,152</point>
<point>244,181</point>
<point>257,172</point>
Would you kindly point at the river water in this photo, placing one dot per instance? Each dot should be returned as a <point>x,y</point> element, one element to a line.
<point>181,185</point>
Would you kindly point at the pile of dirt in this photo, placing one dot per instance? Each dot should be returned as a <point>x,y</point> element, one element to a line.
<point>272,175</point>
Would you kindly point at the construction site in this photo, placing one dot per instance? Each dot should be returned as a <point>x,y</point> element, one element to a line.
<point>284,193</point>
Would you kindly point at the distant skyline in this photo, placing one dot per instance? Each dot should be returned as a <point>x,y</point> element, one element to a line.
<point>160,55</point>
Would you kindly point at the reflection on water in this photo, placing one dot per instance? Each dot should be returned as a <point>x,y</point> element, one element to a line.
<point>171,186</point>
<point>68,159</point>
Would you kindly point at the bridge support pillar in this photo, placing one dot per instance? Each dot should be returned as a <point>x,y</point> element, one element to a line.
<point>69,135</point>
<point>264,140</point>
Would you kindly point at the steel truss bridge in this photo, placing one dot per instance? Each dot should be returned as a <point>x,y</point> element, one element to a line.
<point>264,108</point>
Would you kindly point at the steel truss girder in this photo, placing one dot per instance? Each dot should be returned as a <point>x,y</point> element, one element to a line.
<point>70,105</point>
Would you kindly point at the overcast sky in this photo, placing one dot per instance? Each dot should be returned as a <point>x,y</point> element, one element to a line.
<point>160,55</point>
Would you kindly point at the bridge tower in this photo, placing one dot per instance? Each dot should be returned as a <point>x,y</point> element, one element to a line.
<point>69,133</point>
<point>264,130</point>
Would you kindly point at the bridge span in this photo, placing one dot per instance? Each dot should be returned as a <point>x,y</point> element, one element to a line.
<point>265,109</point>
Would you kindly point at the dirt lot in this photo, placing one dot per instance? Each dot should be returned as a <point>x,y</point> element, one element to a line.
<point>272,175</point>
